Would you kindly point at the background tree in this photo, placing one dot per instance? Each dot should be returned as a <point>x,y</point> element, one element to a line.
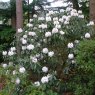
<point>75,4</point>
<point>19,14</point>
<point>92,10</point>
<point>38,3</point>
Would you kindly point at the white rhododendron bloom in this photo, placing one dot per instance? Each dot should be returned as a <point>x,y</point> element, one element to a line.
<point>22,70</point>
<point>45,50</point>
<point>30,47</point>
<point>70,45</point>
<point>20,30</point>
<point>44,79</point>
<point>79,11</point>
<point>48,18</point>
<point>24,41</point>
<point>25,36</point>
<point>14,72</point>
<point>41,18</point>
<point>61,20</point>
<point>68,18</point>
<point>64,17</point>
<point>70,56</point>
<point>58,26</point>
<point>61,32</point>
<point>32,33</point>
<point>40,26</point>
<point>37,83</point>
<point>44,40</point>
<point>87,35</point>
<point>74,12</point>
<point>30,25</point>
<point>23,47</point>
<point>66,22</point>
<point>55,19</point>
<point>4,53</point>
<point>91,23</point>
<point>56,22</point>
<point>45,69</point>
<point>4,65</point>
<point>26,31</point>
<point>34,59</point>
<point>54,30</point>
<point>10,53</point>
<point>47,34</point>
<point>50,54</point>
<point>36,7</point>
<point>17,81</point>
<point>81,16</point>
<point>35,16</point>
<point>44,26</point>
<point>13,49</point>
<point>30,20</point>
<point>73,61</point>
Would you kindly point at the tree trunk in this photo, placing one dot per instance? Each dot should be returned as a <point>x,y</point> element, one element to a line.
<point>19,22</point>
<point>19,14</point>
<point>92,10</point>
<point>13,14</point>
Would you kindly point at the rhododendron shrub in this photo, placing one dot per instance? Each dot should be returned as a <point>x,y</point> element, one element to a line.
<point>46,59</point>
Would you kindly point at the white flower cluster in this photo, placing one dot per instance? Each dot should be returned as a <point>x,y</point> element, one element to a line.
<point>44,79</point>
<point>45,69</point>
<point>34,43</point>
<point>20,30</point>
<point>43,26</point>
<point>87,35</point>
<point>48,34</point>
<point>17,81</point>
<point>48,18</point>
<point>91,23</point>
<point>70,56</point>
<point>46,51</point>
<point>4,65</point>
<point>11,52</point>
<point>30,47</point>
<point>4,53</point>
<point>22,70</point>
<point>41,18</point>
<point>70,45</point>
<point>34,59</point>
<point>35,16</point>
<point>54,30</point>
<point>37,83</point>
<point>30,25</point>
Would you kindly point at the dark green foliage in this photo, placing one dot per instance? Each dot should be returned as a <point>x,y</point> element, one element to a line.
<point>85,8</point>
<point>6,38</point>
<point>85,74</point>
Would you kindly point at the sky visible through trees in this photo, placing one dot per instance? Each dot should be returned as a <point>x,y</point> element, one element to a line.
<point>55,4</point>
